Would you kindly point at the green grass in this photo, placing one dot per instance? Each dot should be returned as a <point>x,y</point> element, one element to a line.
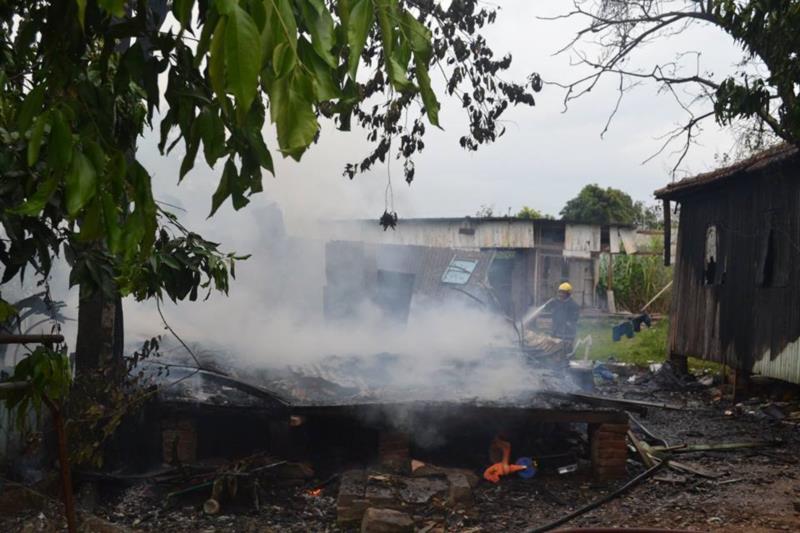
<point>647,346</point>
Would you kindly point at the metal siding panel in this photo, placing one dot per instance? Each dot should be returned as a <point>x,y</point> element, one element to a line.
<point>786,366</point>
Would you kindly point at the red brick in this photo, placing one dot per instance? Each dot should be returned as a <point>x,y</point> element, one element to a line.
<point>602,436</point>
<point>179,441</point>
<point>604,454</point>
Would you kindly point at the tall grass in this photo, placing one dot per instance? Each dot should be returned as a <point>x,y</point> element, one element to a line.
<point>637,279</point>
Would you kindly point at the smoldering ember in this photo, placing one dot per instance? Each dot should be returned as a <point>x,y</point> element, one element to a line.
<point>580,314</point>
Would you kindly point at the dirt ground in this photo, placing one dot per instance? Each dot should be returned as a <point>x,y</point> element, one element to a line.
<point>749,490</point>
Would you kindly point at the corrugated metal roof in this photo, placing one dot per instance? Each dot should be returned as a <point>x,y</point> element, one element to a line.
<point>773,155</point>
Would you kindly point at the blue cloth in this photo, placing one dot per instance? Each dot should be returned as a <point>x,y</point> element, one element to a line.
<point>622,330</point>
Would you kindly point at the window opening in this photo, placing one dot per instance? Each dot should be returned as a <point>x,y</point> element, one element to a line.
<point>713,274</point>
<point>459,271</point>
<point>774,254</point>
<point>393,293</point>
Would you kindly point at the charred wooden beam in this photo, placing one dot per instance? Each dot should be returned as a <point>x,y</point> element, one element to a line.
<point>31,339</point>
<point>467,412</point>
<point>637,406</point>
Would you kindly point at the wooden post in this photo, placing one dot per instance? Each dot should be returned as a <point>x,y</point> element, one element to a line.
<point>64,466</point>
<point>667,234</point>
<point>741,385</point>
<point>680,363</point>
<point>610,300</point>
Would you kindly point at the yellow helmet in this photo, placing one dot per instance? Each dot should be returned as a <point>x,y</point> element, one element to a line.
<point>565,287</point>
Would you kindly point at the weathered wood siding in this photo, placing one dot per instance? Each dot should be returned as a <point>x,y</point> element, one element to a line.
<point>738,320</point>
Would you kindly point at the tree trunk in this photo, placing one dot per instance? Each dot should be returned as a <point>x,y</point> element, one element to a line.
<point>100,331</point>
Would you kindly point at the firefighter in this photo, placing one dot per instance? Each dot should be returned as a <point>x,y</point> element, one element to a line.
<point>564,312</point>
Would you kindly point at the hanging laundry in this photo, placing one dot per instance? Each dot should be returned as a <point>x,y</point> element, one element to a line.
<point>624,329</point>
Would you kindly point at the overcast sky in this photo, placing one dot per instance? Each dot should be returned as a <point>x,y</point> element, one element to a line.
<point>544,159</point>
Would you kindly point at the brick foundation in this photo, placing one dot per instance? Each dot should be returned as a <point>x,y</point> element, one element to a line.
<point>179,441</point>
<point>393,451</point>
<point>609,450</point>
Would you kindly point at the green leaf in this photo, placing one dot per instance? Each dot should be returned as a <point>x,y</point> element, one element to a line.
<point>145,207</point>
<point>59,147</point>
<point>361,18</point>
<point>255,140</point>
<point>226,7</point>
<point>30,107</point>
<point>182,9</point>
<point>216,62</point>
<point>114,7</point>
<point>170,262</point>
<point>192,145</point>
<point>95,154</point>
<point>81,183</point>
<point>111,219</point>
<point>402,54</point>
<point>115,174</point>
<point>320,25</point>
<point>383,10</point>
<point>224,187</point>
<point>212,131</point>
<point>417,35</point>
<point>292,111</point>
<point>343,10</point>
<point>81,11</point>
<point>284,59</point>
<point>419,39</point>
<point>397,72</point>
<point>34,205</point>
<point>92,222</point>
<point>205,37</point>
<point>280,26</point>
<point>242,57</point>
<point>396,58</point>
<point>37,135</point>
<point>325,88</point>
<point>428,96</point>
<point>6,311</point>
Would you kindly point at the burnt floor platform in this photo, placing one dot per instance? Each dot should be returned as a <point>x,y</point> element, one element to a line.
<point>454,431</point>
<point>209,416</point>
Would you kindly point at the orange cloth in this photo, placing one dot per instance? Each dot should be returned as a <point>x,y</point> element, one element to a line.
<point>494,472</point>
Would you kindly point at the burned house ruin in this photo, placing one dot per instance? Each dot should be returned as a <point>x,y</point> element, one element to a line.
<point>520,262</point>
<point>736,296</point>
